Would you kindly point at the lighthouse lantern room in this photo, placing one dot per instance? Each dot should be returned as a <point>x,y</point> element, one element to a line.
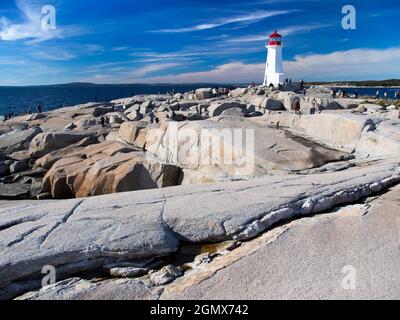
<point>274,70</point>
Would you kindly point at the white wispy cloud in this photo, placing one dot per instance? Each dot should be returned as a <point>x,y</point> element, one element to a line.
<point>339,65</point>
<point>347,64</point>
<point>286,31</point>
<point>244,18</point>
<point>31,26</point>
<point>118,73</point>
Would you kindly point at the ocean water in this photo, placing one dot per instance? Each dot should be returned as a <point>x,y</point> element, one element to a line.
<point>371,91</point>
<point>19,99</point>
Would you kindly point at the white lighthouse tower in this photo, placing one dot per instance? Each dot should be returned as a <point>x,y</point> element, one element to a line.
<point>274,70</point>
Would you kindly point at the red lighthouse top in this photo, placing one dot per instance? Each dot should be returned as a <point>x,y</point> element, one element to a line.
<point>275,39</point>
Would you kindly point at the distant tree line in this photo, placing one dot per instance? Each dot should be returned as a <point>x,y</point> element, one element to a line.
<point>366,83</point>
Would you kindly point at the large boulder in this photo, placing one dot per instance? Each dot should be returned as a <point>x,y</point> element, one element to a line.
<point>233,147</point>
<point>44,143</point>
<point>99,111</point>
<point>133,133</point>
<point>272,104</point>
<point>216,108</point>
<point>49,159</point>
<point>364,135</point>
<point>203,93</point>
<point>17,140</point>
<point>104,168</point>
<point>146,107</point>
<point>383,141</point>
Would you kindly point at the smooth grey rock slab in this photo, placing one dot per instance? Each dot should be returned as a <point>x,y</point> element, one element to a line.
<point>78,289</point>
<point>211,212</point>
<point>16,140</point>
<point>63,233</point>
<point>81,234</point>
<point>313,258</point>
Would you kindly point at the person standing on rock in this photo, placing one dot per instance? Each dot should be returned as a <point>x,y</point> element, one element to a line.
<point>333,93</point>
<point>151,115</point>
<point>103,121</point>
<point>356,94</point>
<point>295,105</point>
<point>29,110</point>
<point>39,108</point>
<point>385,95</point>
<point>377,95</point>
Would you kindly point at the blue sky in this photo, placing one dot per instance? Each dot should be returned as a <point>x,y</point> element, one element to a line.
<point>126,41</point>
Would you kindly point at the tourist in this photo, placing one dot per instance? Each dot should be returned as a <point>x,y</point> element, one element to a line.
<point>29,110</point>
<point>304,91</point>
<point>286,80</point>
<point>356,94</point>
<point>302,83</point>
<point>290,81</point>
<point>313,106</point>
<point>103,121</point>
<point>333,93</point>
<point>151,115</point>
<point>39,108</point>
<point>295,105</point>
<point>385,95</point>
<point>377,95</point>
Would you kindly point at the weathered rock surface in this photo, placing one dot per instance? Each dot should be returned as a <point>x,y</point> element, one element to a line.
<point>165,275</point>
<point>310,259</point>
<point>216,108</point>
<point>364,135</point>
<point>78,289</point>
<point>203,93</point>
<point>86,233</point>
<point>104,168</point>
<point>303,165</point>
<point>266,150</point>
<point>17,140</point>
<point>45,143</point>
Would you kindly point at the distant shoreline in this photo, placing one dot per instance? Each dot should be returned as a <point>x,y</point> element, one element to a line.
<point>390,83</point>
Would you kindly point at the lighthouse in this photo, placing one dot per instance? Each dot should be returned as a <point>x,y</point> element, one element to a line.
<point>274,70</point>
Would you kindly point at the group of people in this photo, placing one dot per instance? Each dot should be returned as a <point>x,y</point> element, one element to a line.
<point>342,93</point>
<point>11,114</point>
<point>39,109</point>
